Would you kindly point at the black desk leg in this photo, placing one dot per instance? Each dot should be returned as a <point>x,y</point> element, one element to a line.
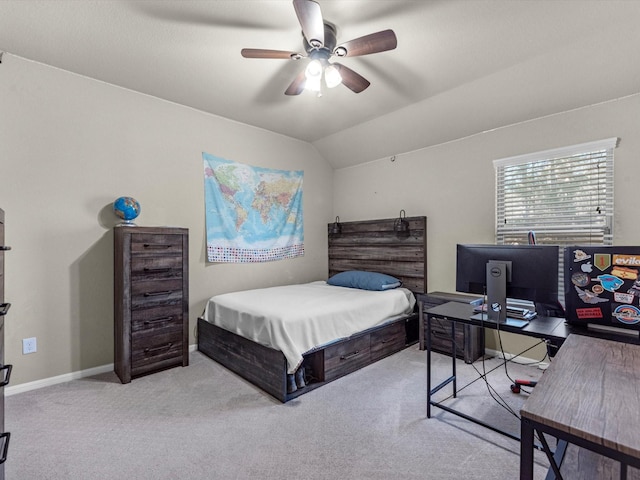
<point>526,450</point>
<point>453,359</point>
<point>428,342</point>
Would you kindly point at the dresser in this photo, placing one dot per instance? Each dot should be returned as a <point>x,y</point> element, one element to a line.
<point>5,369</point>
<point>151,300</point>
<point>469,338</point>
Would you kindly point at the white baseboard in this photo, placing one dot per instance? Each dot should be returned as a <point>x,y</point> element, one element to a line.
<point>517,359</point>
<point>67,377</point>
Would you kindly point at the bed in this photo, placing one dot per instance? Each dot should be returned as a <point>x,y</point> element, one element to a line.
<point>354,337</point>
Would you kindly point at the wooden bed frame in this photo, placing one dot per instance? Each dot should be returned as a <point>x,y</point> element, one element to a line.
<point>372,245</point>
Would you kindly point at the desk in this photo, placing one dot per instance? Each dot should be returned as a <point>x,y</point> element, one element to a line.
<point>587,397</point>
<point>551,329</point>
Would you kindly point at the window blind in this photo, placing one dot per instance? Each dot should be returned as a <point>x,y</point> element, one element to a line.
<point>564,195</point>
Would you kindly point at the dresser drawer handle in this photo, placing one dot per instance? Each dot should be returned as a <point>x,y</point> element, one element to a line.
<point>4,308</point>
<point>440,335</point>
<point>155,294</point>
<point>5,449</point>
<point>7,376</point>
<point>153,351</point>
<point>349,355</point>
<point>4,248</point>
<point>158,320</point>
<point>157,245</point>
<point>157,270</point>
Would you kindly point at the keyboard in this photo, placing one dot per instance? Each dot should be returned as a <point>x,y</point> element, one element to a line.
<point>520,313</point>
<point>512,312</point>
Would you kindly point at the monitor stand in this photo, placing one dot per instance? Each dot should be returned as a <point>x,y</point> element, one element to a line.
<point>498,274</point>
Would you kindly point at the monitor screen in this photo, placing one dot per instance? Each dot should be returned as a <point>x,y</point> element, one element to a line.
<point>532,270</point>
<point>602,286</point>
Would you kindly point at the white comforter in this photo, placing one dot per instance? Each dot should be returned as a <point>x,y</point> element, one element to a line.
<point>298,318</point>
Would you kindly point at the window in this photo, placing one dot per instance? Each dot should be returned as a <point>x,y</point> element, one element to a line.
<point>564,195</point>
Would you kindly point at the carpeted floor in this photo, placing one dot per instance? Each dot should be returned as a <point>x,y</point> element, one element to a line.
<point>204,422</point>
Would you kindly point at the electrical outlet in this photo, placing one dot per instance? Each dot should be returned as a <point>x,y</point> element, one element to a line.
<point>29,345</point>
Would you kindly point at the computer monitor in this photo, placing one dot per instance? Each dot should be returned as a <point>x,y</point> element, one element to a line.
<point>520,272</point>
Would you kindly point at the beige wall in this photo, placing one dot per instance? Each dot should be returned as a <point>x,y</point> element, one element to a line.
<point>453,184</point>
<point>70,146</point>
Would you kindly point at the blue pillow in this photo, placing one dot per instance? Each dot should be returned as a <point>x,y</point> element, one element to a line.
<point>364,280</point>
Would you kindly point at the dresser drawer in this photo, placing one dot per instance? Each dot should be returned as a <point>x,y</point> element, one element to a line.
<point>157,320</point>
<point>153,244</point>
<point>346,357</point>
<point>388,340</point>
<point>150,293</point>
<point>155,352</point>
<point>469,339</point>
<point>156,267</point>
<point>441,331</point>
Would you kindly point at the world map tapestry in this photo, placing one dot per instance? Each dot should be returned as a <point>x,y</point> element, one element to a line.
<point>253,214</point>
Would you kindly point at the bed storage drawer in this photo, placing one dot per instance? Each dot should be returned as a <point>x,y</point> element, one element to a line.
<point>388,340</point>
<point>346,357</point>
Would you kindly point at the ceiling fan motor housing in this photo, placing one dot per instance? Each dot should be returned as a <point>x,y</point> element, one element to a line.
<point>323,51</point>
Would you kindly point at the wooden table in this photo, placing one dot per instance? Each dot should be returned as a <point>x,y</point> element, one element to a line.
<point>588,397</point>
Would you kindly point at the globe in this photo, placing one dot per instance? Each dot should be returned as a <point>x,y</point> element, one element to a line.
<point>127,208</point>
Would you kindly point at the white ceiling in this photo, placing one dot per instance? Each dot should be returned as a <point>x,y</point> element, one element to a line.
<point>461,66</point>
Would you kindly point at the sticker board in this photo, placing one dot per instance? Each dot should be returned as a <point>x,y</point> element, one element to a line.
<point>602,285</point>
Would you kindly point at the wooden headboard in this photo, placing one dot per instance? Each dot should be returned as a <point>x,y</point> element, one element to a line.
<point>373,245</point>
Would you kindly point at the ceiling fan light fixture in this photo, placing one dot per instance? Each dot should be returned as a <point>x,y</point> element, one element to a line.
<point>332,76</point>
<point>313,70</point>
<point>313,84</point>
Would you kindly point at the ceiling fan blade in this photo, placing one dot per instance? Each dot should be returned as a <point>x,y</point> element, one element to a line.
<point>352,80</point>
<point>310,18</point>
<point>260,53</point>
<point>372,43</point>
<point>297,86</point>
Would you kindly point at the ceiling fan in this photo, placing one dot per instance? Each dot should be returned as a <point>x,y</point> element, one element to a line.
<point>319,40</point>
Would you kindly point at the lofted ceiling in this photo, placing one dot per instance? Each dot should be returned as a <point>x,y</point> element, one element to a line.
<point>461,66</point>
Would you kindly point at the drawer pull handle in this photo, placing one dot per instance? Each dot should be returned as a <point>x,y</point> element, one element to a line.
<point>153,351</point>
<point>157,270</point>
<point>156,245</point>
<point>4,308</point>
<point>4,248</point>
<point>158,320</point>
<point>7,376</point>
<point>5,449</point>
<point>349,355</point>
<point>155,294</point>
<point>441,335</point>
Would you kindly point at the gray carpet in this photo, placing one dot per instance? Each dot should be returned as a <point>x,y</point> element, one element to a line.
<point>204,422</point>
